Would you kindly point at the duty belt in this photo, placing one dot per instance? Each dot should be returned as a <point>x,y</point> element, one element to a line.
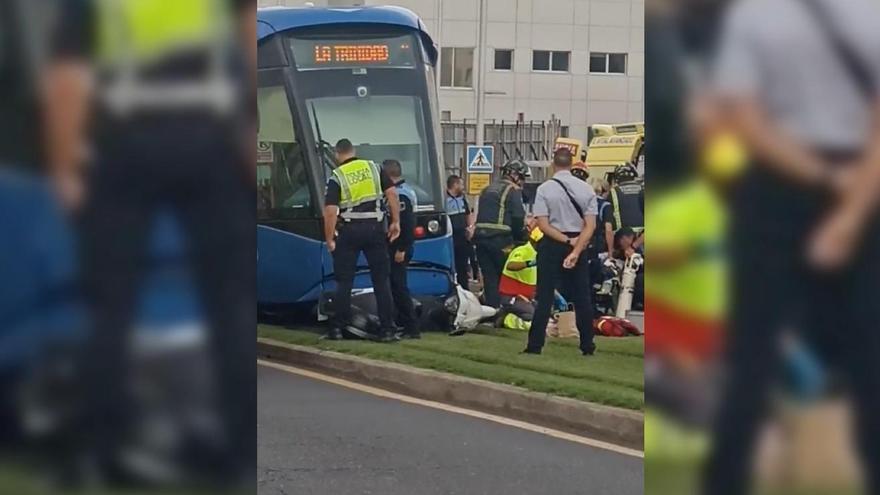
<point>376,215</point>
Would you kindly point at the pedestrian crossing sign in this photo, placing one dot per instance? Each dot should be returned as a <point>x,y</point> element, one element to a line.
<point>480,159</point>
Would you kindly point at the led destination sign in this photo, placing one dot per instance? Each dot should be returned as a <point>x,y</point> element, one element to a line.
<point>334,54</point>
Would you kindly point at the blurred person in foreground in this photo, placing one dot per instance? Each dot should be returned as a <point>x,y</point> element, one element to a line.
<point>565,209</point>
<point>799,82</point>
<point>148,107</point>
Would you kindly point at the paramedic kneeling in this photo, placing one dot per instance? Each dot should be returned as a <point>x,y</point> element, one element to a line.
<point>565,208</point>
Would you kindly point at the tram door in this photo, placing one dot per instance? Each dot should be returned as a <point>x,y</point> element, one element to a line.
<point>289,238</point>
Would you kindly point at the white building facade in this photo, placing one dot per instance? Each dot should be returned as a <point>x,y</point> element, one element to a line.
<point>580,61</point>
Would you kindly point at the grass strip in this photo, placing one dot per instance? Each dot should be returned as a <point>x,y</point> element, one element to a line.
<point>613,379</point>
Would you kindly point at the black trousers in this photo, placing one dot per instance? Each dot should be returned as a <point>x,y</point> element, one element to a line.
<point>191,169</point>
<point>491,256</point>
<point>574,282</point>
<point>462,250</point>
<point>522,309</point>
<point>774,288</point>
<point>405,312</point>
<point>354,238</point>
<point>596,267</point>
<point>475,265</point>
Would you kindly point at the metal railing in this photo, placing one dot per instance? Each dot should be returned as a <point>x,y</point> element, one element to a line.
<point>530,140</point>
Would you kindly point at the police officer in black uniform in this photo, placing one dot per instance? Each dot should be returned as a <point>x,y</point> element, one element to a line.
<point>460,216</point>
<point>353,207</point>
<point>401,251</point>
<point>500,224</point>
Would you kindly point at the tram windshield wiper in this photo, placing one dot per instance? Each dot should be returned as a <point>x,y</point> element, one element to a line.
<point>324,148</point>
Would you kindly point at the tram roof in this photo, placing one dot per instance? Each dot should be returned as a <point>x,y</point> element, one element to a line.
<point>271,20</point>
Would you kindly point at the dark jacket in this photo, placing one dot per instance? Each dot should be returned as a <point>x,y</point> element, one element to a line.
<point>501,212</point>
<point>408,203</point>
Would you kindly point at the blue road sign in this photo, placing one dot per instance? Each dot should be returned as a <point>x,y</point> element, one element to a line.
<point>480,159</point>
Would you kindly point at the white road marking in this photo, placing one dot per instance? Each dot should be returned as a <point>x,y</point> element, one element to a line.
<point>457,410</point>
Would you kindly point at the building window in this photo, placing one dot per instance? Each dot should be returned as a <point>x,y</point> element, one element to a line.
<point>446,115</point>
<point>503,59</point>
<point>607,63</point>
<point>543,60</point>
<point>457,68</point>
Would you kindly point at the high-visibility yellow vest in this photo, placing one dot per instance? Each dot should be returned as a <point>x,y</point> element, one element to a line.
<point>524,253</point>
<point>147,30</point>
<point>691,217</point>
<point>132,34</point>
<point>360,183</point>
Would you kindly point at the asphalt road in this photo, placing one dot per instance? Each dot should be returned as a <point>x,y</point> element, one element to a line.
<point>323,439</point>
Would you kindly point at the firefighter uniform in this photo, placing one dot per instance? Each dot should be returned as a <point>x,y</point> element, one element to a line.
<point>500,220</point>
<point>406,316</point>
<point>357,187</point>
<point>628,203</point>
<point>172,88</point>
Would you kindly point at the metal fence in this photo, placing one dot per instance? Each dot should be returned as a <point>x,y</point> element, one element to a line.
<point>530,140</point>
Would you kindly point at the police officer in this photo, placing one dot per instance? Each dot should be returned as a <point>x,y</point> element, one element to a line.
<point>565,208</point>
<point>353,207</point>
<point>462,220</point>
<point>401,250</point>
<point>500,224</point>
<point>171,120</point>
<point>627,198</point>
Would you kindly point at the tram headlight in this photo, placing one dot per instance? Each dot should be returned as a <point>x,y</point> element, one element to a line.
<point>363,92</point>
<point>433,226</point>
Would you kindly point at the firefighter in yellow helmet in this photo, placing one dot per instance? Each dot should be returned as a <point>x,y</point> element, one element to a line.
<point>155,99</point>
<point>353,209</point>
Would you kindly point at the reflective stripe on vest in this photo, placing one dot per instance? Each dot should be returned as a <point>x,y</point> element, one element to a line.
<point>148,30</point>
<point>499,224</point>
<point>620,217</point>
<point>359,183</point>
<point>133,34</point>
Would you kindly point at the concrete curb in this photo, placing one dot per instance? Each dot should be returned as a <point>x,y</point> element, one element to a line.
<point>619,426</point>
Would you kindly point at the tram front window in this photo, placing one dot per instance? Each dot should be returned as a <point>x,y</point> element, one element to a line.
<point>282,181</point>
<point>380,127</point>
